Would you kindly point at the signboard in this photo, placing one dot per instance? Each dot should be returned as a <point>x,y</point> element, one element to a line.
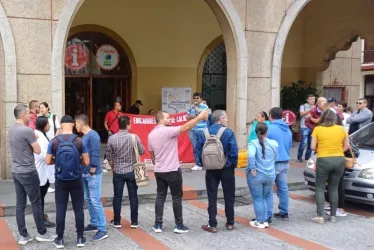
<point>76,56</point>
<point>107,57</point>
<point>288,117</point>
<point>142,125</point>
<point>176,100</point>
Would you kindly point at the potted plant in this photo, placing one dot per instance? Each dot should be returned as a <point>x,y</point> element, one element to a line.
<point>292,97</point>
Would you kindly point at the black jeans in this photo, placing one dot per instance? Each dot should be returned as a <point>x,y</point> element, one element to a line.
<point>76,191</point>
<point>212,179</point>
<point>174,181</point>
<point>43,193</point>
<point>341,194</point>
<point>329,169</point>
<point>119,181</point>
<point>27,185</point>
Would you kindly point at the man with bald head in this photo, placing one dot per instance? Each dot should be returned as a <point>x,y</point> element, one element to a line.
<point>316,112</point>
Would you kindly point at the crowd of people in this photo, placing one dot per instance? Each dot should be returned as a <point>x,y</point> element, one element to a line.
<point>45,150</point>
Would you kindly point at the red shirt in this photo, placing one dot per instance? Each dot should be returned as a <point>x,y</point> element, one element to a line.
<point>32,123</point>
<point>112,119</point>
<point>315,113</point>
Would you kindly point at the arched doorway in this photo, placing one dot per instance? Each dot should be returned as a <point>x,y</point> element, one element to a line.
<point>97,74</point>
<point>214,78</point>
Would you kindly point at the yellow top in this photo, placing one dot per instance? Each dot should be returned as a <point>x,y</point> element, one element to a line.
<point>329,140</point>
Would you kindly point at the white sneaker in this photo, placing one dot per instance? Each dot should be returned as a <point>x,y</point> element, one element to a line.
<point>266,224</point>
<point>51,190</point>
<point>24,240</point>
<point>105,171</point>
<point>339,213</point>
<point>256,224</point>
<point>196,168</point>
<point>105,161</point>
<point>46,237</point>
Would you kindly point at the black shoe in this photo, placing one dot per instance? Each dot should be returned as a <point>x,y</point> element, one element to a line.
<point>282,216</point>
<point>81,242</point>
<point>115,224</point>
<point>157,228</point>
<point>59,243</point>
<point>90,228</point>
<point>135,224</point>
<point>181,229</point>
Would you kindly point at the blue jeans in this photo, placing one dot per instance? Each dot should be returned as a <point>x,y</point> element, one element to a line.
<point>194,138</point>
<point>281,169</point>
<point>260,187</point>
<point>92,194</point>
<point>306,139</point>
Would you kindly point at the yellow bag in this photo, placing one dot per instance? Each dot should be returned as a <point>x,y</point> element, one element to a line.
<point>242,158</point>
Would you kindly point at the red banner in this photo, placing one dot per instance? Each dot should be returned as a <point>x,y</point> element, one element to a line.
<point>142,125</point>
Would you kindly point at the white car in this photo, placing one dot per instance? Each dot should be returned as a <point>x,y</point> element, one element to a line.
<point>358,181</point>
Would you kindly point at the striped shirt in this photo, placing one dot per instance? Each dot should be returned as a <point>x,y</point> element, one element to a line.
<point>120,150</point>
<point>192,111</point>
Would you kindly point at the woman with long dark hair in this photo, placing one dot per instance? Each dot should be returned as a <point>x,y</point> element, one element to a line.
<point>262,153</point>
<point>42,126</point>
<point>261,117</point>
<point>330,141</point>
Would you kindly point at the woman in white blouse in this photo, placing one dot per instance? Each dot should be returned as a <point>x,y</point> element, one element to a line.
<point>342,108</point>
<point>54,130</point>
<point>42,126</point>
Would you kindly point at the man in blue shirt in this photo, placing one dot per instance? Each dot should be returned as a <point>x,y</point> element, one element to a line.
<point>92,177</point>
<point>194,133</point>
<point>281,133</point>
<point>226,175</point>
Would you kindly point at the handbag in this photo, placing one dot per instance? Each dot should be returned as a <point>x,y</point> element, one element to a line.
<point>350,161</point>
<point>140,169</point>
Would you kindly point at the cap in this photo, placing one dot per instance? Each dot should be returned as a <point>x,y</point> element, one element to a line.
<point>67,119</point>
<point>331,99</point>
<point>139,102</point>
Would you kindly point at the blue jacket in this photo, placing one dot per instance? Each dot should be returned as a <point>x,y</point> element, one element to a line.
<point>93,144</point>
<point>256,160</point>
<point>253,134</point>
<point>281,133</point>
<point>230,147</point>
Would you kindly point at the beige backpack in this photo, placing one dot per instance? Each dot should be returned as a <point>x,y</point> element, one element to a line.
<point>213,156</point>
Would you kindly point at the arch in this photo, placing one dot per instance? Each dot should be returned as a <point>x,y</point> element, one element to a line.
<point>236,48</point>
<point>280,42</point>
<point>8,93</point>
<point>204,56</point>
<point>126,48</point>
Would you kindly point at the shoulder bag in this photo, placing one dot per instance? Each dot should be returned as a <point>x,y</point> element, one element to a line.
<point>140,169</point>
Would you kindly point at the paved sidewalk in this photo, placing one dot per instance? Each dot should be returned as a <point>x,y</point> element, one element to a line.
<point>194,188</point>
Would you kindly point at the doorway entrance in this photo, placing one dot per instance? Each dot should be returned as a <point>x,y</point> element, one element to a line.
<point>97,75</point>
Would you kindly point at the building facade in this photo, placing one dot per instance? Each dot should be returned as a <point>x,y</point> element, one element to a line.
<point>85,54</point>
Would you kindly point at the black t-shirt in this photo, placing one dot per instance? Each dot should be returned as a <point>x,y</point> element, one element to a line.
<point>54,143</point>
<point>134,110</point>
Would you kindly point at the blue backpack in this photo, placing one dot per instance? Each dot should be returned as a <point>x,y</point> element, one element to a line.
<point>67,160</point>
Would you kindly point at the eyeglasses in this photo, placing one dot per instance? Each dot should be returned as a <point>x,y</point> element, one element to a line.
<point>358,103</point>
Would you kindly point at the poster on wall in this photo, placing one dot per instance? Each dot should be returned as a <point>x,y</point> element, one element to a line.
<point>107,57</point>
<point>176,100</point>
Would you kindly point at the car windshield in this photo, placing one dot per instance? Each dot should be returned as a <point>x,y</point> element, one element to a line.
<point>364,138</point>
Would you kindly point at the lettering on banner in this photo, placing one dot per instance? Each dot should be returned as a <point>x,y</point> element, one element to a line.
<point>144,120</point>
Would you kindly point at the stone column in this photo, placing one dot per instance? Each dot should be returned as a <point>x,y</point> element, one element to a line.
<point>263,19</point>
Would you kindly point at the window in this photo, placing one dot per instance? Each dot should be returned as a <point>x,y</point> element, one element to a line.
<point>337,92</point>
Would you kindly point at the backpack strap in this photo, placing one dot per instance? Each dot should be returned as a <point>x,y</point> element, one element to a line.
<point>71,139</point>
<point>59,139</point>
<point>54,122</point>
<point>206,133</point>
<point>220,132</point>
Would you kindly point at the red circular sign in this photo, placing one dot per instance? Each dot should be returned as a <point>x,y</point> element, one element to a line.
<point>76,56</point>
<point>289,117</point>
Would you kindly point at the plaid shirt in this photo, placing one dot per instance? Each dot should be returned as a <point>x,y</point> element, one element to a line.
<point>120,150</point>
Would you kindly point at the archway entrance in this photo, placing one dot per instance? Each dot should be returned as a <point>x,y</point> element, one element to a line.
<point>214,80</point>
<point>97,74</point>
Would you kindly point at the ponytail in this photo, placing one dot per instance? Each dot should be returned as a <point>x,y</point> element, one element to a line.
<point>261,130</point>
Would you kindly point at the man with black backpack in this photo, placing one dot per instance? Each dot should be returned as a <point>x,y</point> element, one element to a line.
<point>67,151</point>
<point>218,150</point>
